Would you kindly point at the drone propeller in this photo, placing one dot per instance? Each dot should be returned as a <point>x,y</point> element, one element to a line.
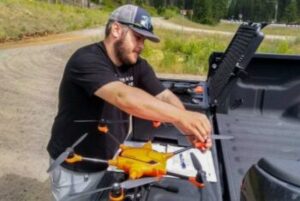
<point>65,154</point>
<point>201,176</point>
<point>124,185</point>
<point>103,128</point>
<point>103,121</point>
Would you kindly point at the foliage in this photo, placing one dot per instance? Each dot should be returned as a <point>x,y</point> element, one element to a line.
<point>188,53</point>
<point>285,11</point>
<point>209,11</point>
<point>31,18</point>
<point>178,52</point>
<point>168,13</point>
<point>181,52</point>
<point>290,12</point>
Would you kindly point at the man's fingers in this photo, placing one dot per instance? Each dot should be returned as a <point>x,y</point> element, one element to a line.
<point>204,127</point>
<point>208,143</point>
<point>198,134</point>
<point>206,124</point>
<point>202,132</point>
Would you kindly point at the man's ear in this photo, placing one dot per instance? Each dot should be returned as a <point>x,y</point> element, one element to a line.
<point>116,30</point>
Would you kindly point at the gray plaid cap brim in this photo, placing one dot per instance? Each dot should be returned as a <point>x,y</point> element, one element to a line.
<point>150,36</point>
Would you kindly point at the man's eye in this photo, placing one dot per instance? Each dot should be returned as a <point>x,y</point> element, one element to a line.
<point>138,37</point>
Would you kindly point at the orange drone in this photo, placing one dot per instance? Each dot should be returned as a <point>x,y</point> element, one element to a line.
<point>137,162</point>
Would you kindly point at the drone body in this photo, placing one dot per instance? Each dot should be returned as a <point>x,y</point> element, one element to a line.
<point>141,161</point>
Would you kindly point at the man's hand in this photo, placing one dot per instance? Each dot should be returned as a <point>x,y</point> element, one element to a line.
<point>195,124</point>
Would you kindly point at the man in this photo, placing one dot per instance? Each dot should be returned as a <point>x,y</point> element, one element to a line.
<point>108,80</point>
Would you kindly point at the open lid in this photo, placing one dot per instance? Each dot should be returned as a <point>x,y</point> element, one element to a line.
<point>235,59</point>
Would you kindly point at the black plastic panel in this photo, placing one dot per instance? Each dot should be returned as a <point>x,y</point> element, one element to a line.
<point>144,130</point>
<point>186,191</point>
<point>185,91</point>
<point>235,59</point>
<point>271,88</point>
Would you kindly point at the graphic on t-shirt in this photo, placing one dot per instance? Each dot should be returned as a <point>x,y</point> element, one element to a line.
<point>128,80</point>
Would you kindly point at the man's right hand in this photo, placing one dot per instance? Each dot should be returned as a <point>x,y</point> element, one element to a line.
<point>196,124</point>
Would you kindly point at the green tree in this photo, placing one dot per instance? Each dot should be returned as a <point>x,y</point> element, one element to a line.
<point>282,4</point>
<point>298,10</point>
<point>290,14</point>
<point>202,10</point>
<point>219,9</point>
<point>188,4</point>
<point>253,10</point>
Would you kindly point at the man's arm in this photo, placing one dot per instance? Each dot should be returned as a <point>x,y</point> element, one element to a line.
<point>141,104</point>
<point>169,97</point>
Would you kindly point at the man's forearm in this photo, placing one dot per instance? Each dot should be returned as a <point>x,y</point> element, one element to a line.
<point>169,97</point>
<point>138,103</point>
<point>143,105</point>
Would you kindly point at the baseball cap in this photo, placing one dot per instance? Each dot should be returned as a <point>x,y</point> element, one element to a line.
<point>137,19</point>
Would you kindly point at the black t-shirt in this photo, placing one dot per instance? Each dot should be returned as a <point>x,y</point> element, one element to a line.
<point>88,69</point>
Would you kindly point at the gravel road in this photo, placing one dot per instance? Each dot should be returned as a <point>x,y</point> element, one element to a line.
<point>29,79</point>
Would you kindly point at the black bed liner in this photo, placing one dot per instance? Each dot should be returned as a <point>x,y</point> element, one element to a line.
<point>263,114</point>
<point>255,137</point>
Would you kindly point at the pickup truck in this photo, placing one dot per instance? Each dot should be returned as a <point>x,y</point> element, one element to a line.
<point>256,99</point>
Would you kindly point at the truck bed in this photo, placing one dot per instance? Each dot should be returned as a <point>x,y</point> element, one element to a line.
<point>263,114</point>
<point>255,137</point>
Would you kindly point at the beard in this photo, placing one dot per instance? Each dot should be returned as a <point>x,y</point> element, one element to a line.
<point>122,52</point>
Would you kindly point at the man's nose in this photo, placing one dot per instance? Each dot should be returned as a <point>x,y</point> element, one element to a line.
<point>141,43</point>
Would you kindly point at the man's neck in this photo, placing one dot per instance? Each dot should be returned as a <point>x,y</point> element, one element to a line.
<point>111,53</point>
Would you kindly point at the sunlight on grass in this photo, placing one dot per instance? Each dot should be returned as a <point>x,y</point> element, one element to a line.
<point>32,17</point>
<point>231,27</point>
<point>179,52</point>
<point>188,53</point>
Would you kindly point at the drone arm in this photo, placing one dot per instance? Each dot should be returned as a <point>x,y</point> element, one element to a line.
<point>77,158</point>
<point>74,159</point>
<point>197,181</point>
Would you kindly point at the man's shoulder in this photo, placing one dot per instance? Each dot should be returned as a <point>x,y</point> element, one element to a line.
<point>92,53</point>
<point>91,49</point>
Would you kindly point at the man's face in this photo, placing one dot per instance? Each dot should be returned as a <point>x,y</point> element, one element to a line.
<point>129,46</point>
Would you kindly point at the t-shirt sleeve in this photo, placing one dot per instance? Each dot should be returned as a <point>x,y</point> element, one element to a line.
<point>147,79</point>
<point>91,73</point>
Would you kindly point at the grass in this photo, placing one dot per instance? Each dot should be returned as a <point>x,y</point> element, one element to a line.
<point>23,18</point>
<point>188,53</point>
<point>178,52</point>
<point>181,52</point>
<point>270,30</point>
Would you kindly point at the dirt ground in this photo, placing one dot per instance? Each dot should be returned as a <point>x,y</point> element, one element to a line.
<point>30,72</point>
<point>29,79</point>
